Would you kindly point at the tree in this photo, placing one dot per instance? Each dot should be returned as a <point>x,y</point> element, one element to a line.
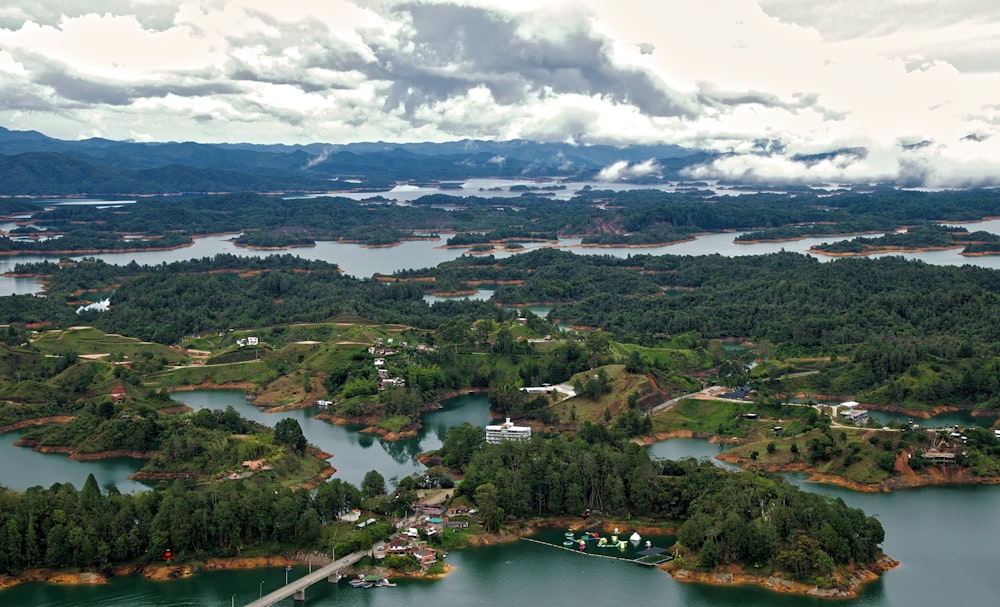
<point>373,484</point>
<point>288,432</point>
<point>491,514</point>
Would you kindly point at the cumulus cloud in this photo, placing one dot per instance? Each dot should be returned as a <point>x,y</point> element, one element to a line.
<point>622,170</point>
<point>780,89</point>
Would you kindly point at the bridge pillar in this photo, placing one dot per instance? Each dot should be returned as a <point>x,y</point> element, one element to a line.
<point>300,595</point>
<point>334,577</point>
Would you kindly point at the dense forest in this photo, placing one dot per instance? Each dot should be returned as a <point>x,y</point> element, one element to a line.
<point>893,331</point>
<point>62,526</point>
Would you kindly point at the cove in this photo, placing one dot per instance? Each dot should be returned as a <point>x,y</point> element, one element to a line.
<point>354,453</point>
<point>23,468</point>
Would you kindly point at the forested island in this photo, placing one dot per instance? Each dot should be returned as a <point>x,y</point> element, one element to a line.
<point>653,332</point>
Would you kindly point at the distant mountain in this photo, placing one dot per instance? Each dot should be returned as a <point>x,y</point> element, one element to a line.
<point>54,174</point>
<point>35,164</point>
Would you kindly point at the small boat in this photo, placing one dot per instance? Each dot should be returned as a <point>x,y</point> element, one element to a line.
<point>360,583</point>
<point>384,583</point>
<point>568,543</point>
<point>568,534</point>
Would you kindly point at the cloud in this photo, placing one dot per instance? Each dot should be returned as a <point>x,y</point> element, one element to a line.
<point>622,170</point>
<point>779,89</point>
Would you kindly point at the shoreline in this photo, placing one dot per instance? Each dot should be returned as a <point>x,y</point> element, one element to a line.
<point>734,575</point>
<point>935,476</point>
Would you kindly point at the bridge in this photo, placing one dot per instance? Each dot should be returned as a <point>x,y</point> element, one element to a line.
<point>297,589</point>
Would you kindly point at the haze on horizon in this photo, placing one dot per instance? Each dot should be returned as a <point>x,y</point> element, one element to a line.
<point>837,91</point>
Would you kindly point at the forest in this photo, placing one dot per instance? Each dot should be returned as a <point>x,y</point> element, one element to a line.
<point>891,331</point>
<point>62,526</point>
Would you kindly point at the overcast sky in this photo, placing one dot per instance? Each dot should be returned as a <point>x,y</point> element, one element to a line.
<point>907,89</point>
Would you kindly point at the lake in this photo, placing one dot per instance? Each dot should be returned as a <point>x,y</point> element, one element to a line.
<point>357,260</point>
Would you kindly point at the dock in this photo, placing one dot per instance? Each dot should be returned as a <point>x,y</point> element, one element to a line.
<point>656,556</point>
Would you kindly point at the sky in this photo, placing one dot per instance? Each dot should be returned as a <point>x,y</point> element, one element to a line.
<point>804,91</point>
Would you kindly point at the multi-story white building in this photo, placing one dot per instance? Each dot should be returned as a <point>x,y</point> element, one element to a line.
<point>507,431</point>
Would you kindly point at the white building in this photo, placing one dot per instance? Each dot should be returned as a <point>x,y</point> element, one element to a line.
<point>507,431</point>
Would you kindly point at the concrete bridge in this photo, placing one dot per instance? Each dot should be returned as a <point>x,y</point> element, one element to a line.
<point>297,589</point>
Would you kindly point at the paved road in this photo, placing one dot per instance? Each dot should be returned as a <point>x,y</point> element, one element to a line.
<point>673,401</point>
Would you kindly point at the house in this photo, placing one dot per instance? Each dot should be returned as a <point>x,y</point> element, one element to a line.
<point>398,544</point>
<point>426,556</point>
<point>858,417</point>
<point>507,431</point>
<point>252,341</point>
<point>118,393</point>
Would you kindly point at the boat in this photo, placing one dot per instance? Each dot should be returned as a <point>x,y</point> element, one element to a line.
<point>360,583</point>
<point>384,583</point>
<point>568,543</point>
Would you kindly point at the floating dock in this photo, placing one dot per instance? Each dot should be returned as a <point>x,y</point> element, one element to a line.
<point>651,556</point>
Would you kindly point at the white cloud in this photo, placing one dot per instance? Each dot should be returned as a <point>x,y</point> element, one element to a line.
<point>808,78</point>
<point>622,170</point>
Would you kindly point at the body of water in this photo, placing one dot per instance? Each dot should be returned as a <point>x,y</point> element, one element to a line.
<point>363,262</point>
<point>942,420</point>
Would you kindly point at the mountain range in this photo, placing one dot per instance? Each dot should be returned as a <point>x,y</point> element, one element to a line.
<point>33,164</point>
